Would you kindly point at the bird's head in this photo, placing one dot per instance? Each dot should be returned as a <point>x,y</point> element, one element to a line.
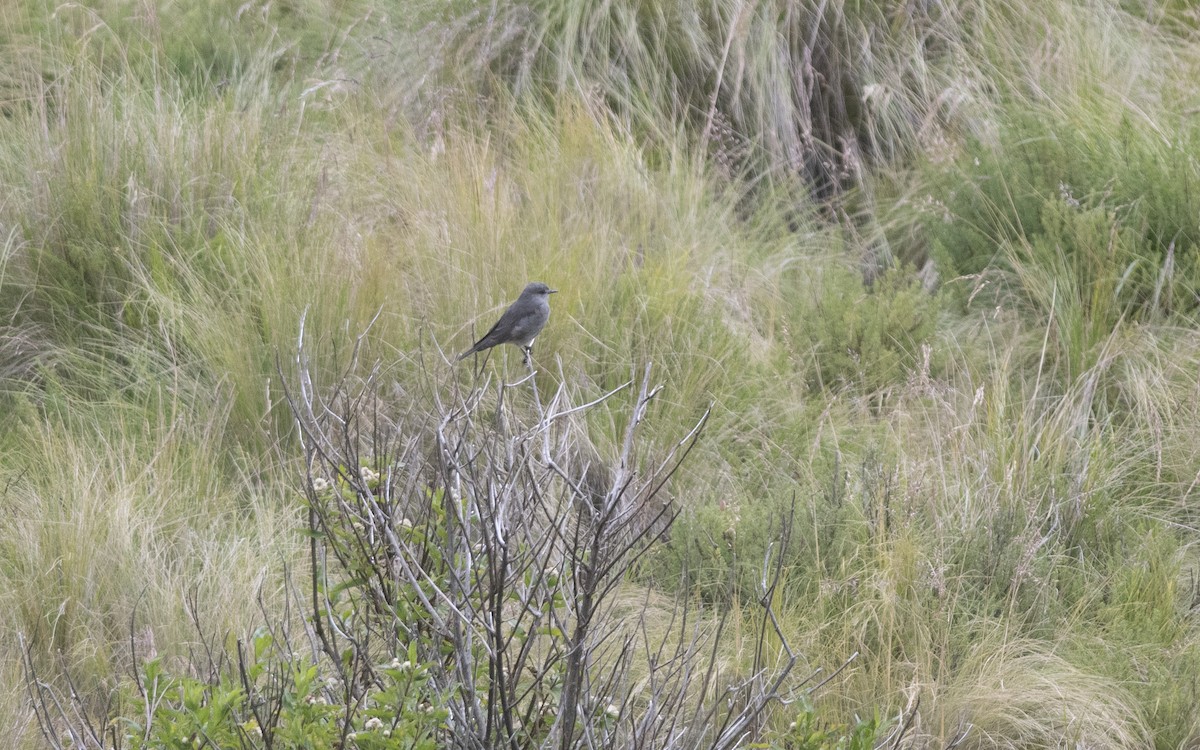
<point>537,289</point>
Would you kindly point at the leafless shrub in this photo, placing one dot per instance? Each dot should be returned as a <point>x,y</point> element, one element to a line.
<point>492,534</point>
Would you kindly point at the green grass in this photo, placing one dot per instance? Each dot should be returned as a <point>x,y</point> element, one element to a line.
<point>995,475</point>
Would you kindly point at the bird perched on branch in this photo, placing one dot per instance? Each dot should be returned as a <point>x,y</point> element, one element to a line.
<point>521,322</point>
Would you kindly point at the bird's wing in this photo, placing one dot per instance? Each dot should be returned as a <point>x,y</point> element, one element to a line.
<point>492,337</point>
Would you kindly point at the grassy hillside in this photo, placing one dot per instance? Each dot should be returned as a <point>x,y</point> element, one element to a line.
<point>932,267</point>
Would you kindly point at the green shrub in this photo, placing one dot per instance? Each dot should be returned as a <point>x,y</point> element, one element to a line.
<point>276,698</point>
<point>808,732</point>
<point>1085,204</point>
<point>865,338</point>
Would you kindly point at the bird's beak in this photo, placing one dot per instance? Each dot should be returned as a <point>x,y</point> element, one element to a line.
<point>552,291</point>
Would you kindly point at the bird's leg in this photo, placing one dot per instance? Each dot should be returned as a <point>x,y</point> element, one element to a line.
<point>528,355</point>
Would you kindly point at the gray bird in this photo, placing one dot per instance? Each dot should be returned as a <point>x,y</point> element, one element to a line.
<point>521,322</point>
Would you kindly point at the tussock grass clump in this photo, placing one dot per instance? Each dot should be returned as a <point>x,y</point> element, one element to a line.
<point>775,91</point>
<point>119,530</point>
<point>995,685</point>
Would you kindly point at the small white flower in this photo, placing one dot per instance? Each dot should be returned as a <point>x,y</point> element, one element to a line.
<point>320,484</point>
<point>1065,192</point>
<point>373,724</point>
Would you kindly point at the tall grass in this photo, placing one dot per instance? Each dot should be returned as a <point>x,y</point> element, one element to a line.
<point>994,471</point>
